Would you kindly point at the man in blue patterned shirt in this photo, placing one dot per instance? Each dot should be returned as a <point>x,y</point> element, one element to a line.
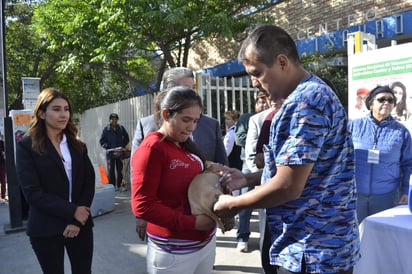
<point>309,188</point>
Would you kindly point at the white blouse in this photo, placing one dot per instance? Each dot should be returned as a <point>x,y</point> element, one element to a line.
<point>229,139</point>
<point>67,162</point>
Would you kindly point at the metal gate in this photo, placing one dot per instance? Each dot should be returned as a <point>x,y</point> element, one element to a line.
<point>220,94</point>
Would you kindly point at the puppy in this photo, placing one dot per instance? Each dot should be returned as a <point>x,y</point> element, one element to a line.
<point>203,192</point>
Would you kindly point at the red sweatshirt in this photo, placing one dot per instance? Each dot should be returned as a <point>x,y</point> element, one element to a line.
<point>162,172</point>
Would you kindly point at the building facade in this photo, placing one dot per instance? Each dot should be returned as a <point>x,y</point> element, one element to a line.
<point>316,26</point>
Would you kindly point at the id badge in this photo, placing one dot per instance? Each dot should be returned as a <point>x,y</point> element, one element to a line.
<point>373,156</point>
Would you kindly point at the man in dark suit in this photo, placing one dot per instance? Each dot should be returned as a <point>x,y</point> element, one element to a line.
<point>207,135</point>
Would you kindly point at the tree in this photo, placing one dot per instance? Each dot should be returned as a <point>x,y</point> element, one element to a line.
<point>320,64</point>
<point>23,51</point>
<point>28,56</point>
<point>102,51</point>
<point>135,39</point>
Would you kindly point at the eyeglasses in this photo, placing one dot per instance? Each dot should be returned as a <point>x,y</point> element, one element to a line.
<point>385,99</point>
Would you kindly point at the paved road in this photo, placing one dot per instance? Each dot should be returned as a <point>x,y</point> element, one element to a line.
<point>118,250</point>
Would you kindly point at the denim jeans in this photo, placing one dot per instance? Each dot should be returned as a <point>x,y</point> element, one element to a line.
<point>370,204</point>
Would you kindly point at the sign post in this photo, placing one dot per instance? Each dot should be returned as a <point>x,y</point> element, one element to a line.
<point>14,192</point>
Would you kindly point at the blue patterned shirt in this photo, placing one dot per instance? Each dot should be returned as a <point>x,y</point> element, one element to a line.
<point>321,225</point>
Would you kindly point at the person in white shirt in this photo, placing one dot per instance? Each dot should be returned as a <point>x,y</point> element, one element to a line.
<point>232,150</point>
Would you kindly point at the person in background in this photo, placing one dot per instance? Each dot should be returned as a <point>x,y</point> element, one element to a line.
<point>3,183</point>
<point>360,107</point>
<point>232,150</point>
<point>309,182</point>
<point>114,139</point>
<point>252,136</point>
<point>258,130</point>
<point>207,135</point>
<point>164,165</point>
<point>177,76</point>
<point>264,133</point>
<point>58,181</point>
<point>399,112</point>
<point>242,127</point>
<point>383,154</point>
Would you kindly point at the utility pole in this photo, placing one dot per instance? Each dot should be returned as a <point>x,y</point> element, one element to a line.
<point>14,193</point>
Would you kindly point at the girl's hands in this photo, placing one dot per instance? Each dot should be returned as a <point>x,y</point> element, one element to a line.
<point>204,222</point>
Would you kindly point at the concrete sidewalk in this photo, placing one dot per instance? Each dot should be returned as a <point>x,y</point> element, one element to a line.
<point>118,250</point>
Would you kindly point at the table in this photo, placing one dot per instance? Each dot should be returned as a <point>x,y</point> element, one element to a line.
<point>386,242</point>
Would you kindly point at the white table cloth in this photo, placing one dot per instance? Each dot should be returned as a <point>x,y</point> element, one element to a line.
<point>386,243</point>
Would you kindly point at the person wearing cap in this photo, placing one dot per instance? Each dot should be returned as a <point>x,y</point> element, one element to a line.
<point>114,139</point>
<point>360,107</point>
<point>383,155</point>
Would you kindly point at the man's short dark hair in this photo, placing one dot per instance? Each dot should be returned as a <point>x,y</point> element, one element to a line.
<point>269,41</point>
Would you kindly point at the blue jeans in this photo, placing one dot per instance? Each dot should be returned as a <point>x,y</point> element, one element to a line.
<point>243,231</point>
<point>370,204</point>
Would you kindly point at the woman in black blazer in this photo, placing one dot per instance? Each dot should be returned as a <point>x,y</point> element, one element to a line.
<point>58,182</point>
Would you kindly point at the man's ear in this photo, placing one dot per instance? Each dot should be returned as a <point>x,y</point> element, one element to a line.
<point>283,61</point>
<point>164,113</point>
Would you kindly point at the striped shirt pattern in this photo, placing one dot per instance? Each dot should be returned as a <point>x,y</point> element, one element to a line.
<point>179,246</point>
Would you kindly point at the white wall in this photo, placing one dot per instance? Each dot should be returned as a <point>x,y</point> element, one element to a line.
<point>92,122</point>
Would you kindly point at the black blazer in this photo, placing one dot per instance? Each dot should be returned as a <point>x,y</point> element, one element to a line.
<point>45,186</point>
<point>208,138</point>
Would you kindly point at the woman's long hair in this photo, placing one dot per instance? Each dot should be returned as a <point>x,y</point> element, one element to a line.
<point>37,130</point>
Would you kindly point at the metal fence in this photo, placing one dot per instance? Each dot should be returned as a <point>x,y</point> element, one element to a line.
<point>218,95</point>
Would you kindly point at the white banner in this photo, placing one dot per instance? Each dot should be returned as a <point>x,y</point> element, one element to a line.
<point>391,66</point>
<point>31,90</point>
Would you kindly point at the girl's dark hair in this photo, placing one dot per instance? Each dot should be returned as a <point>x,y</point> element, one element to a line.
<point>175,100</point>
<point>37,129</point>
<point>171,78</point>
<point>178,98</point>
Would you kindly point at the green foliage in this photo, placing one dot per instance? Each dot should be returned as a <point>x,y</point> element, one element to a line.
<point>23,51</point>
<point>323,66</point>
<point>101,51</point>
